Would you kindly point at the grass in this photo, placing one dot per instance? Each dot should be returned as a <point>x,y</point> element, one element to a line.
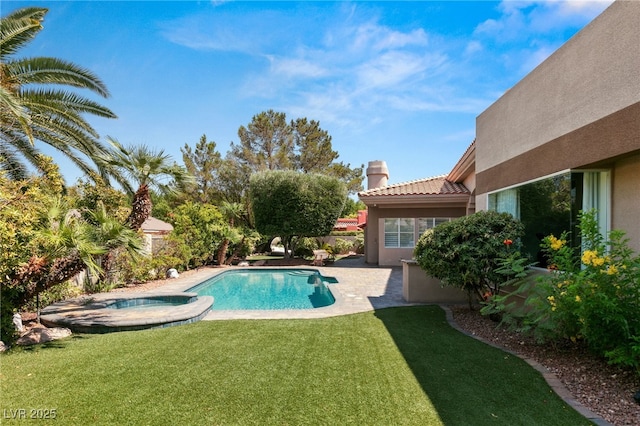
<point>393,366</point>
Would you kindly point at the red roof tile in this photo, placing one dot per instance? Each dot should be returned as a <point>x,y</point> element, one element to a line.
<point>438,185</point>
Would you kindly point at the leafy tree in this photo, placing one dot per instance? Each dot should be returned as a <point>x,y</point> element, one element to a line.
<point>201,227</point>
<point>291,204</point>
<point>467,252</point>
<point>88,194</point>
<point>351,208</point>
<point>33,107</point>
<point>269,142</point>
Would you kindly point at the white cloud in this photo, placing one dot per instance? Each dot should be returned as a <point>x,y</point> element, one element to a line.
<point>296,67</point>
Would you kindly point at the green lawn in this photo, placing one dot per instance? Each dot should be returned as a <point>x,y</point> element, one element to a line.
<point>399,366</point>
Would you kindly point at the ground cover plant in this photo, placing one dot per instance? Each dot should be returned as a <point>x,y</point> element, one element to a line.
<point>392,366</point>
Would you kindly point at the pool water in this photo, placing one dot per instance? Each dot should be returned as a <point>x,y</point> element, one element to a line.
<point>268,289</point>
<point>150,302</point>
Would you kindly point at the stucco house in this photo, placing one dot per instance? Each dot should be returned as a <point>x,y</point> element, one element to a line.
<point>398,214</point>
<point>154,231</point>
<point>565,138</point>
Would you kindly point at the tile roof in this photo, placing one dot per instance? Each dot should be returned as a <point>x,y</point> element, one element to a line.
<point>438,185</point>
<point>156,225</point>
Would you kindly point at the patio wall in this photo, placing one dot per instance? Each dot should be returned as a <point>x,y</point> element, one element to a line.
<point>418,287</point>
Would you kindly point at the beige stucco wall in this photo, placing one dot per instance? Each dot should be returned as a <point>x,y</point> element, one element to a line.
<point>375,253</point>
<point>594,74</point>
<point>418,287</point>
<point>626,199</point>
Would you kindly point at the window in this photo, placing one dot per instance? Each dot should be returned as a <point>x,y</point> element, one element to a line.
<point>551,206</point>
<point>399,233</point>
<point>425,223</point>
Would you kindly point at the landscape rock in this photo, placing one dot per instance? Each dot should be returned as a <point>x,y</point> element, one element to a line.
<point>42,335</point>
<point>17,322</point>
<point>172,273</point>
<point>3,347</point>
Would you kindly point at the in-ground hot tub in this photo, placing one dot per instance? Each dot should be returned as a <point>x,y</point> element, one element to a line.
<point>110,312</point>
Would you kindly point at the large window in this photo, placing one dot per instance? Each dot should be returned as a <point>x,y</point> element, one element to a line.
<point>401,232</point>
<point>551,206</point>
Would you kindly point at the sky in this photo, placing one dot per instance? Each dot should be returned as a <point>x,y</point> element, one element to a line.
<point>401,82</point>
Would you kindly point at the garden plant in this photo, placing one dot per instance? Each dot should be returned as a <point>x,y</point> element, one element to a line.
<point>591,294</point>
<point>469,251</point>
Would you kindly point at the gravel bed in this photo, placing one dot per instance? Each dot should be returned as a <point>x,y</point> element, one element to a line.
<point>605,390</point>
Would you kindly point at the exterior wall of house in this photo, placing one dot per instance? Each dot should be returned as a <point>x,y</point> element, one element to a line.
<point>376,253</point>
<point>626,199</point>
<point>593,75</point>
<point>578,109</point>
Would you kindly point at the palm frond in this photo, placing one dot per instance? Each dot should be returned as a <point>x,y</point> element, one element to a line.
<point>43,70</point>
<point>19,28</point>
<point>11,165</point>
<point>58,101</point>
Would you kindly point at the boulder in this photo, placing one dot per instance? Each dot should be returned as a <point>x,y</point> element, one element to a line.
<point>17,322</point>
<point>3,347</point>
<point>172,273</point>
<point>42,335</point>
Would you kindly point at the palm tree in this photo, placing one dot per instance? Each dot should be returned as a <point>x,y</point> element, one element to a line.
<point>68,244</point>
<point>231,212</point>
<point>146,169</point>
<point>44,113</point>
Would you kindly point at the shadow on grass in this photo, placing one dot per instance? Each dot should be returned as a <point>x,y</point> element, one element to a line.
<point>468,381</point>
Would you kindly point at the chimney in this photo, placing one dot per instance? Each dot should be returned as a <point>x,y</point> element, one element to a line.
<point>377,174</point>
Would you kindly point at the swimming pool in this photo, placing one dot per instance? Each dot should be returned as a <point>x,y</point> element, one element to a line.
<point>267,289</point>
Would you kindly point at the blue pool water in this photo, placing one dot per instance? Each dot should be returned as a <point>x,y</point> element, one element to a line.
<point>150,302</point>
<point>266,289</point>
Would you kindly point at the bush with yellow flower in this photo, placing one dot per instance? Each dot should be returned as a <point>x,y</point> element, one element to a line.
<point>591,294</point>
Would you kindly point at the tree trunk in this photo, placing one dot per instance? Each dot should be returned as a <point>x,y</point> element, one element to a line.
<point>140,208</point>
<point>235,253</point>
<point>37,275</point>
<point>222,252</point>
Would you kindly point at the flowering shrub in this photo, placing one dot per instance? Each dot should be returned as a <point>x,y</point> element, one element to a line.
<point>467,251</point>
<point>594,297</point>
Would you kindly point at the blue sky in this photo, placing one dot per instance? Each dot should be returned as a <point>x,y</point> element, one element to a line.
<point>396,81</point>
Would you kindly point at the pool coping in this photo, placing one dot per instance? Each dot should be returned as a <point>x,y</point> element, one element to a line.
<point>93,314</point>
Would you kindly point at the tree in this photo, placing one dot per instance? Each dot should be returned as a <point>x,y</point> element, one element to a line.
<point>201,227</point>
<point>146,169</point>
<point>265,144</point>
<point>45,112</point>
<point>286,203</point>
<point>314,154</point>
<point>467,252</point>
<point>269,142</point>
<point>203,163</point>
<point>231,212</point>
<point>351,208</point>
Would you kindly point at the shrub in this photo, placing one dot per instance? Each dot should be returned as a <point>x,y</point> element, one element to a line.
<point>594,297</point>
<point>305,246</point>
<point>467,251</point>
<point>342,246</point>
